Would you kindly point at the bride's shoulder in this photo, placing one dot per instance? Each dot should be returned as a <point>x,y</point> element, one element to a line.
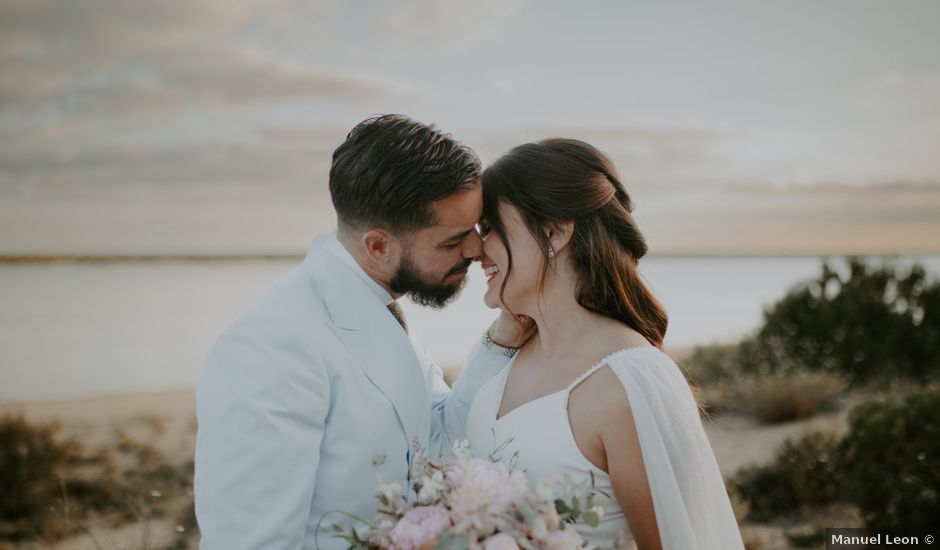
<point>630,378</point>
<point>647,367</point>
<point>641,367</point>
<point>629,359</point>
<point>609,373</point>
<point>600,395</point>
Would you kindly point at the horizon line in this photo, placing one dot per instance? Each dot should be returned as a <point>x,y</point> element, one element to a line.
<point>78,258</point>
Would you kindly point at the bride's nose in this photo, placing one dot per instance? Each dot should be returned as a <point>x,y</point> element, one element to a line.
<point>484,259</point>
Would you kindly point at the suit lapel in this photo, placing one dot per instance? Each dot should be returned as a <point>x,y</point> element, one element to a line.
<point>373,337</point>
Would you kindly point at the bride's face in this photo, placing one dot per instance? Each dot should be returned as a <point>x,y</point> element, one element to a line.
<point>522,283</point>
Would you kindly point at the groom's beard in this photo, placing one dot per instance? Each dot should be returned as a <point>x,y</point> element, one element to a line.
<point>437,294</point>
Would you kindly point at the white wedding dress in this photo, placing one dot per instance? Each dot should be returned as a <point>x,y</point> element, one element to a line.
<point>689,497</point>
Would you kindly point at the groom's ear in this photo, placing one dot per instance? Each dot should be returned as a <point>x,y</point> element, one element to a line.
<point>381,246</point>
<point>559,235</point>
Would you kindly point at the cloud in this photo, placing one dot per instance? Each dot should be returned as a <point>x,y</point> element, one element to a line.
<point>509,86</point>
<point>870,188</point>
<point>432,25</point>
<point>928,82</point>
<point>216,78</point>
<point>262,162</point>
<point>658,157</point>
<point>117,58</point>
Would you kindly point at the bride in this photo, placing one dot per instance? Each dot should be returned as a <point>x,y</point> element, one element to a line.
<point>591,392</point>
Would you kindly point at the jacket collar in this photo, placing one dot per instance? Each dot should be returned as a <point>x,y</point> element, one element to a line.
<point>372,336</point>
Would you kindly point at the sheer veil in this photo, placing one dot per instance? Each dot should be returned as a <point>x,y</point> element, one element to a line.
<point>692,507</point>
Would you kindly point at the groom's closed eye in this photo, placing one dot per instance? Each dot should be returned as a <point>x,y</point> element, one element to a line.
<point>454,241</point>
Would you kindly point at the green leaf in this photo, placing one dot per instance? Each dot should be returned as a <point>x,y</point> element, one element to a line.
<point>590,517</point>
<point>535,520</point>
<point>452,541</point>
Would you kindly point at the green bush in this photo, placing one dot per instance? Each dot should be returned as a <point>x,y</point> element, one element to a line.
<point>886,466</point>
<point>891,460</point>
<point>804,473</point>
<point>871,323</point>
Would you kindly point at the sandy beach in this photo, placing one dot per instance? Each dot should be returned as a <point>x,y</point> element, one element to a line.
<point>170,405</point>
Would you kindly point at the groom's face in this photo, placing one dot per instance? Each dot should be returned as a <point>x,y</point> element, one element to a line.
<point>435,259</point>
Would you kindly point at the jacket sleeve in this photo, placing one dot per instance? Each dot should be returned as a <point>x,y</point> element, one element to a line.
<point>261,416</point>
<point>450,407</point>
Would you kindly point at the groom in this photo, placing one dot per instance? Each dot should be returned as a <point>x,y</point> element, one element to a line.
<point>317,390</point>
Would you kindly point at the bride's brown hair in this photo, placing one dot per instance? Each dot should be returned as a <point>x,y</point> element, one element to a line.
<point>560,180</point>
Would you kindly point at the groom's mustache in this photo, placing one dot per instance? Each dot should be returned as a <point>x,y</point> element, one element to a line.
<point>460,267</point>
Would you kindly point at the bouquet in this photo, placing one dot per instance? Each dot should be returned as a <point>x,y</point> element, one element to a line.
<point>467,503</point>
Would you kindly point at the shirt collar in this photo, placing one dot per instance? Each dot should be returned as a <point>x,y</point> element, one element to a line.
<point>338,250</point>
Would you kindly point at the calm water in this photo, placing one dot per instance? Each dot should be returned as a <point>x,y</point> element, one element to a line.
<point>75,330</point>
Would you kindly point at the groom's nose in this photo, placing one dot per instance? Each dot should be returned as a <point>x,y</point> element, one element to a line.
<point>473,246</point>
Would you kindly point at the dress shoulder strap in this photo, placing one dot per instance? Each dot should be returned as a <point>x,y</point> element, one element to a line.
<point>584,375</point>
<point>600,364</point>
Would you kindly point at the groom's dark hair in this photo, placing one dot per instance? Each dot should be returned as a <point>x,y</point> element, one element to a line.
<point>391,168</point>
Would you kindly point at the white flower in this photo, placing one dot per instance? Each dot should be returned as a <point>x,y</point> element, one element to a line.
<point>545,489</point>
<point>432,487</point>
<point>391,491</point>
<point>389,494</point>
<point>567,539</point>
<point>461,449</point>
<point>500,541</point>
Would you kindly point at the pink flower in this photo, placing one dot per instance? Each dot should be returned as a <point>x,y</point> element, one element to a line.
<point>491,480</point>
<point>500,541</point>
<point>419,526</point>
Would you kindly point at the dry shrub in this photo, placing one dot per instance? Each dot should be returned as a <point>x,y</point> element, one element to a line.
<point>774,399</point>
<point>33,499</point>
<point>54,487</point>
<point>709,366</point>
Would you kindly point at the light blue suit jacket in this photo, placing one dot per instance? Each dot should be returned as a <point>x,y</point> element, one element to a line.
<point>306,401</point>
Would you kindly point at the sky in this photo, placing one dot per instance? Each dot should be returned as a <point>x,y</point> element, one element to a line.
<point>740,127</point>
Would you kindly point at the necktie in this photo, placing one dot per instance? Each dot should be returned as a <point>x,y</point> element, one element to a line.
<point>399,315</point>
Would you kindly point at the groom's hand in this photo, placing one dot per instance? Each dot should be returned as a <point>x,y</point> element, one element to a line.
<point>511,331</point>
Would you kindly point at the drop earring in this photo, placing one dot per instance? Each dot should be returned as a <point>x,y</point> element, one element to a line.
<point>551,252</point>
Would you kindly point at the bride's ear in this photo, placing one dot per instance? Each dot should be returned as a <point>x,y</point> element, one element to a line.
<point>559,235</point>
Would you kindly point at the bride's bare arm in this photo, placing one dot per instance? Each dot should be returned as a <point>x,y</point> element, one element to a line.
<point>625,465</point>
